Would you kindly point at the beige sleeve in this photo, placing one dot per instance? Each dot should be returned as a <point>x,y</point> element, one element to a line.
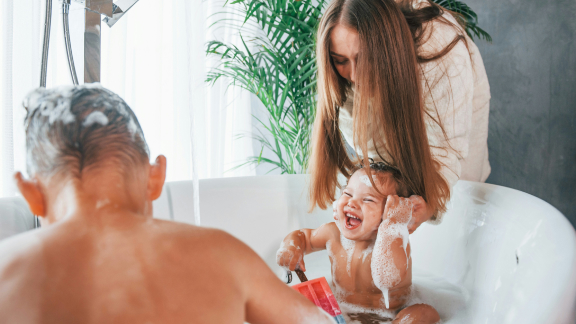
<point>448,87</point>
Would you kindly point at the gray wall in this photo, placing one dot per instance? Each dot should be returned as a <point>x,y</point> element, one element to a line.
<point>531,66</point>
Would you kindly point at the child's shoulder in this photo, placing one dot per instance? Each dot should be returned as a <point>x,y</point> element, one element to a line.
<point>196,240</point>
<point>330,230</point>
<point>193,233</point>
<point>22,254</point>
<point>332,227</point>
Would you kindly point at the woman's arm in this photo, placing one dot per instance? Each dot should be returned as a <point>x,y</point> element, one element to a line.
<point>448,88</point>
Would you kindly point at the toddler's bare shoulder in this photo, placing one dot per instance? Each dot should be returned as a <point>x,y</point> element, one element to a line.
<point>330,231</point>
<point>333,229</point>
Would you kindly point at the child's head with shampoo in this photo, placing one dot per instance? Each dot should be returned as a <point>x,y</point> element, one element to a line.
<point>361,205</point>
<point>73,129</point>
<point>88,136</point>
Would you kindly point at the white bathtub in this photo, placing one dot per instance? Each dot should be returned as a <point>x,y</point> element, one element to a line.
<point>500,255</point>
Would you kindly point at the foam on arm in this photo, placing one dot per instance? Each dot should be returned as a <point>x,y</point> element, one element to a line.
<point>393,230</point>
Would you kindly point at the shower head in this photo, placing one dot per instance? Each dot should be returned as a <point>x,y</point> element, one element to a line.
<point>111,9</point>
<point>120,7</point>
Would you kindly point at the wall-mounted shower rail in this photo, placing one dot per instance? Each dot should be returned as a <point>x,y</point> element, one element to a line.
<point>65,21</point>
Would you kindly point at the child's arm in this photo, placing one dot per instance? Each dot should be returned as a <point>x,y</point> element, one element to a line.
<point>304,241</point>
<point>390,257</point>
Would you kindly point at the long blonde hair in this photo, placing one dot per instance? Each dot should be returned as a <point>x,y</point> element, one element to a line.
<point>387,93</point>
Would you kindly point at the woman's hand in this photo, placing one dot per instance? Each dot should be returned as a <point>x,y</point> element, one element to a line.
<point>420,213</point>
<point>290,256</point>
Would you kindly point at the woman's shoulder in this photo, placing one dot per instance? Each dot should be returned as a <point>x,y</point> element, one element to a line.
<point>441,32</point>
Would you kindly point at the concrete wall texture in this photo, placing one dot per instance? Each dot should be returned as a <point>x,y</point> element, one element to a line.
<point>531,67</point>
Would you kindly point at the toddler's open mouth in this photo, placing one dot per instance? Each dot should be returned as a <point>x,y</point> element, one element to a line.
<point>352,221</point>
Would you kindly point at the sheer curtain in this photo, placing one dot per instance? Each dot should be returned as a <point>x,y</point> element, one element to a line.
<point>153,58</point>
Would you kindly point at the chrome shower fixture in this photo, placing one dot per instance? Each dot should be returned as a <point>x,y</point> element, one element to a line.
<point>46,43</point>
<point>66,24</point>
<point>111,9</point>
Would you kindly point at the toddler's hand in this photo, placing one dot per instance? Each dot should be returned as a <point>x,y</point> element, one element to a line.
<point>290,257</point>
<point>397,209</point>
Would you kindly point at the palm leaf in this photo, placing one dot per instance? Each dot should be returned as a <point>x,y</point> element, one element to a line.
<point>468,17</point>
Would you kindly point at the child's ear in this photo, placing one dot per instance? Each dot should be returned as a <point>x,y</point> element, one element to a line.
<point>156,178</point>
<point>32,193</point>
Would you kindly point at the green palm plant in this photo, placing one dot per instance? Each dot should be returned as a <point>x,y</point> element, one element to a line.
<point>278,65</point>
<point>466,17</point>
<point>280,69</point>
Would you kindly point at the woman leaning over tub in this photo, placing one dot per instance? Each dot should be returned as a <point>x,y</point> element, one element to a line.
<point>403,83</point>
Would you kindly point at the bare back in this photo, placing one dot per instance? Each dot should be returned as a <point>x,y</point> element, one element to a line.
<point>136,270</point>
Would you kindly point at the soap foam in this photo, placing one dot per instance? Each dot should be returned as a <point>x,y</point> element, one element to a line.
<point>365,180</point>
<point>448,299</point>
<point>284,250</point>
<point>332,257</point>
<point>55,105</point>
<point>102,203</point>
<point>348,246</point>
<point>339,293</point>
<point>95,117</point>
<point>384,271</point>
<point>349,309</point>
<point>367,252</point>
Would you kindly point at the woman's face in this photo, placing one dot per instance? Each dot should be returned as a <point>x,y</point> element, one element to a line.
<point>344,47</point>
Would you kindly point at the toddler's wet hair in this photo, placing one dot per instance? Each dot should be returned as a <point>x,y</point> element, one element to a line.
<point>383,167</point>
<point>74,128</point>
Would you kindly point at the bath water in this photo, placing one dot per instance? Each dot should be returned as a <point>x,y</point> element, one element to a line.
<point>447,298</point>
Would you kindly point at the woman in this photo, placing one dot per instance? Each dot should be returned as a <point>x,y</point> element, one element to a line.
<point>403,84</point>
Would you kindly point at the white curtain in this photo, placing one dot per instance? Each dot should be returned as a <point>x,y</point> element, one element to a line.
<point>154,58</point>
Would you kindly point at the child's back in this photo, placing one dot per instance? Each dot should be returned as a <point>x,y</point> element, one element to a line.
<point>129,269</point>
<point>100,257</point>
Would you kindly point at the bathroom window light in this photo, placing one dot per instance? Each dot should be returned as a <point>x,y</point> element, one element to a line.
<point>157,82</point>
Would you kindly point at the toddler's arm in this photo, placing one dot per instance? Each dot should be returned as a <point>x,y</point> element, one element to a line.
<point>303,241</point>
<point>390,257</point>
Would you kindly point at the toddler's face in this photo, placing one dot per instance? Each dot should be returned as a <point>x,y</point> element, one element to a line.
<point>360,208</point>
